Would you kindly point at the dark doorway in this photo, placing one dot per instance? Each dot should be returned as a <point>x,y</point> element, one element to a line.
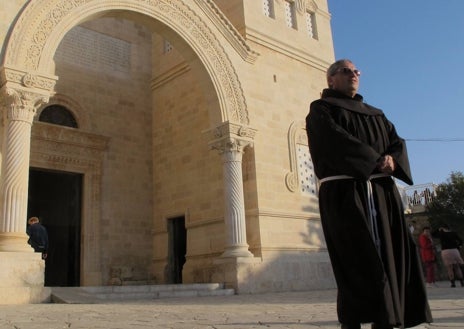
<point>55,197</point>
<point>177,248</point>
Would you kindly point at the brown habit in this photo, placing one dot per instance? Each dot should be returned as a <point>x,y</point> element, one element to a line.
<point>382,285</point>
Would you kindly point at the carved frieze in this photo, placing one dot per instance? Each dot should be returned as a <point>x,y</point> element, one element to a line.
<point>304,5</point>
<point>28,79</point>
<point>39,24</point>
<point>233,129</point>
<point>55,140</point>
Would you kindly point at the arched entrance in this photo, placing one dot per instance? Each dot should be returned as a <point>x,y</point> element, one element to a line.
<point>43,24</point>
<point>28,80</point>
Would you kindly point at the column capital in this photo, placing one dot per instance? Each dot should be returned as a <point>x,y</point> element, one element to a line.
<point>21,105</point>
<point>23,92</point>
<point>230,137</point>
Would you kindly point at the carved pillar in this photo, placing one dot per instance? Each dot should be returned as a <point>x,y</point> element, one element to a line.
<point>19,106</point>
<point>231,140</point>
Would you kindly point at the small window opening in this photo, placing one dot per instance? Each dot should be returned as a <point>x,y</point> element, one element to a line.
<point>167,47</point>
<point>268,8</point>
<point>58,115</point>
<point>311,25</point>
<point>290,14</point>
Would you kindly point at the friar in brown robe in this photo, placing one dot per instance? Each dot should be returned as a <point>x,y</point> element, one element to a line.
<point>356,153</point>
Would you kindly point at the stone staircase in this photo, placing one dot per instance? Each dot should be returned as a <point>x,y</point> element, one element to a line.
<point>112,294</point>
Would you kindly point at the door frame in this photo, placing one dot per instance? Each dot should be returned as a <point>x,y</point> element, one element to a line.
<point>68,149</point>
<point>70,252</point>
<point>173,248</point>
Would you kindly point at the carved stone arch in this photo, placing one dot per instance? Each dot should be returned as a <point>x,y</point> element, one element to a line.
<point>43,24</point>
<point>81,116</point>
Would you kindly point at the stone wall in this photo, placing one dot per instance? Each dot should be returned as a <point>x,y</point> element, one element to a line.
<point>104,66</point>
<point>156,99</point>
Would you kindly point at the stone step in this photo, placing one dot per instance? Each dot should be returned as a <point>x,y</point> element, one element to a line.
<point>104,294</point>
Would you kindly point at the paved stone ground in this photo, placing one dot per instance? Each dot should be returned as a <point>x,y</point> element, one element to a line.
<point>290,310</point>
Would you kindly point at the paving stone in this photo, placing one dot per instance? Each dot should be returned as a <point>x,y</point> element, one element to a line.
<point>289,310</point>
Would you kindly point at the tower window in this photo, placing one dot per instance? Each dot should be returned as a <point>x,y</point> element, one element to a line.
<point>311,24</point>
<point>306,170</point>
<point>290,14</point>
<point>268,8</point>
<point>58,115</point>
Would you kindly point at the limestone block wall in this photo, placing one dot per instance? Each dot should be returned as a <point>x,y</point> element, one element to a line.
<point>8,11</point>
<point>104,66</point>
<point>283,90</point>
<point>187,174</point>
<point>288,74</point>
<point>153,107</point>
<point>283,228</point>
<point>235,12</point>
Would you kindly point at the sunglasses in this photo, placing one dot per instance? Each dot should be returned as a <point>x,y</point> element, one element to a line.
<point>348,71</point>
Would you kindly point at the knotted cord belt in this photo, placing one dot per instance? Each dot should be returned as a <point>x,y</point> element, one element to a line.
<point>372,212</point>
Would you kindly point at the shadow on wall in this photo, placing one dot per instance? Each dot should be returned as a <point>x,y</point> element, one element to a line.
<point>300,266</point>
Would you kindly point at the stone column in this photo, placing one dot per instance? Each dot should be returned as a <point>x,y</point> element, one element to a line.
<point>19,108</point>
<point>231,140</point>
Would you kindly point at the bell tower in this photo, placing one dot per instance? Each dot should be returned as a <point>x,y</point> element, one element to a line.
<point>298,27</point>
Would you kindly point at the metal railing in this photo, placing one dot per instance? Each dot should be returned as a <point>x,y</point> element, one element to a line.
<point>420,195</point>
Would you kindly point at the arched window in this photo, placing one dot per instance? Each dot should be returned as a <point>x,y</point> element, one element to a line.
<point>58,115</point>
<point>301,176</point>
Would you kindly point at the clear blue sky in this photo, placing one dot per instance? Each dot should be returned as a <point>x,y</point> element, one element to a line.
<point>411,55</point>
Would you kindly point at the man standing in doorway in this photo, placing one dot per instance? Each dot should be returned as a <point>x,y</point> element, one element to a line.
<point>356,151</point>
<point>38,236</point>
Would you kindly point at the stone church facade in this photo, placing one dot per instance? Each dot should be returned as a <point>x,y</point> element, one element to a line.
<point>161,141</point>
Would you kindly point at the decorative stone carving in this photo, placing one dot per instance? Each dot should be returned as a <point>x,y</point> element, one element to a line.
<point>21,105</point>
<point>16,78</point>
<point>42,25</point>
<point>297,136</point>
<point>304,5</point>
<point>231,140</point>
<point>230,129</point>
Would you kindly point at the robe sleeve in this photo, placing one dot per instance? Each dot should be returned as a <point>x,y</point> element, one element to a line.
<point>333,150</point>
<point>397,149</point>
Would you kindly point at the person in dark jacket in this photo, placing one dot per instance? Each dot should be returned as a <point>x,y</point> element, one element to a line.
<point>450,244</point>
<point>38,236</point>
<point>356,153</point>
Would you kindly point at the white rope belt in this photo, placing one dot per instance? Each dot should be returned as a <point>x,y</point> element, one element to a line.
<point>372,212</point>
